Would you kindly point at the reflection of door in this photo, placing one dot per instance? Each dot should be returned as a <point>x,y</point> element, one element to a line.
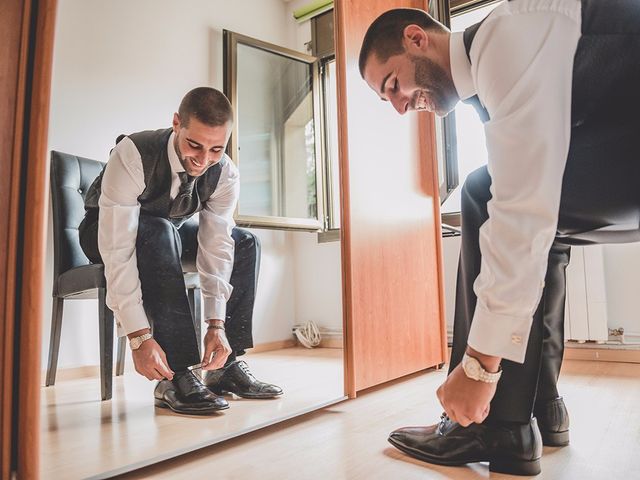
<point>391,223</point>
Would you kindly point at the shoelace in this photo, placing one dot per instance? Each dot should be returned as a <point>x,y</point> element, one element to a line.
<point>192,381</point>
<point>444,418</point>
<point>245,368</point>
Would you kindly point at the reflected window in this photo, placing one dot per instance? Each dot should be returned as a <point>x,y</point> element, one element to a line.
<point>332,165</point>
<point>275,141</point>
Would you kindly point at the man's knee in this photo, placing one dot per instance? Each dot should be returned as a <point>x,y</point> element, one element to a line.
<point>157,233</point>
<point>476,189</point>
<point>245,240</point>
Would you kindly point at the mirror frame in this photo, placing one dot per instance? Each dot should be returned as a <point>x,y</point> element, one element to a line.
<point>31,47</point>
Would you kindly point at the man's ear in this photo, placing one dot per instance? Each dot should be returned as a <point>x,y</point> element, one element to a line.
<point>415,39</point>
<point>176,122</point>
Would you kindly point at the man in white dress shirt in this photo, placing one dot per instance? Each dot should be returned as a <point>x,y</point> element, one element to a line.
<point>556,85</point>
<point>136,224</point>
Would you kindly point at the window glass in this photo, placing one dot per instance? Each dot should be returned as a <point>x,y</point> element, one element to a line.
<point>276,135</point>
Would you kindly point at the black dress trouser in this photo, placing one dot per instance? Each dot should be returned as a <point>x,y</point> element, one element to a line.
<point>520,384</point>
<point>163,253</point>
<point>600,203</point>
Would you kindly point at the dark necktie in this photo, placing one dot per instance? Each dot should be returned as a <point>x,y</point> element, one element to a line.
<point>186,201</point>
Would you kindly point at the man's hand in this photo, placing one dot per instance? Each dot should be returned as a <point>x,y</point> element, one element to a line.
<point>467,401</point>
<point>216,347</point>
<point>151,361</point>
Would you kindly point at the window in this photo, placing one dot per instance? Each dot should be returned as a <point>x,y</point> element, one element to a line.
<point>322,46</point>
<point>276,139</point>
<point>470,147</point>
<point>332,167</point>
<point>285,140</point>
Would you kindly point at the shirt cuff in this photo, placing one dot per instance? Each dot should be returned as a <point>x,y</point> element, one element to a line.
<point>214,308</point>
<point>131,319</point>
<point>500,335</point>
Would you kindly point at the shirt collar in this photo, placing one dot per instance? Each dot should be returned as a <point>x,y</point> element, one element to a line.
<point>460,66</point>
<point>174,161</point>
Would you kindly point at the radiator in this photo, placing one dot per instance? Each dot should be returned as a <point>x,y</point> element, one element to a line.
<point>586,305</point>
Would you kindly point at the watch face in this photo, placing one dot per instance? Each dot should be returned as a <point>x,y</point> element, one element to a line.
<point>472,367</point>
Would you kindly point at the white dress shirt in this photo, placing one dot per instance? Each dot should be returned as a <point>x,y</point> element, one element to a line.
<point>122,184</point>
<point>521,69</point>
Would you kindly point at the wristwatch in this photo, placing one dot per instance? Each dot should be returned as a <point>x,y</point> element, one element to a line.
<point>474,370</point>
<point>135,342</point>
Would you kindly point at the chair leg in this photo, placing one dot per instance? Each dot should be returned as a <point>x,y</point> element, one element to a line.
<point>196,313</point>
<point>105,327</point>
<point>122,348</point>
<point>54,340</point>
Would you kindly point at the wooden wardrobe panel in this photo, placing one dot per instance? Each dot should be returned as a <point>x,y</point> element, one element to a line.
<point>394,320</point>
<point>12,65</point>
<point>26,30</point>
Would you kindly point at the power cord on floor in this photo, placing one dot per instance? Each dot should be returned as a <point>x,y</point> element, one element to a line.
<point>308,334</point>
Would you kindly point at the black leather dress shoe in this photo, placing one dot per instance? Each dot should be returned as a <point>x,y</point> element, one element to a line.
<point>509,448</point>
<point>553,420</point>
<point>236,378</point>
<point>186,394</point>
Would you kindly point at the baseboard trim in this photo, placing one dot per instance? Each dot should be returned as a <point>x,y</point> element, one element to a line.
<point>73,373</point>
<point>602,354</point>
<point>331,341</point>
<point>270,346</point>
<point>597,354</point>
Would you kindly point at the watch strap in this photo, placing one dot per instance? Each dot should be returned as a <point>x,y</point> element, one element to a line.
<point>135,342</point>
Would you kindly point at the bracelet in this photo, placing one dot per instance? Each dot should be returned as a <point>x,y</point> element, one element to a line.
<point>215,327</point>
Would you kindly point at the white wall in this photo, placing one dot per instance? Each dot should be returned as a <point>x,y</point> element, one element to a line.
<point>318,281</point>
<point>123,66</point>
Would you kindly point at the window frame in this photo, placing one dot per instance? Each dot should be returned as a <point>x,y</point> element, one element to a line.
<point>454,9</point>
<point>330,232</point>
<point>231,40</point>
<point>446,151</point>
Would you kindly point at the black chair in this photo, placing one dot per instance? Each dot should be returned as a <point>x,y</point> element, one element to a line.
<point>75,277</point>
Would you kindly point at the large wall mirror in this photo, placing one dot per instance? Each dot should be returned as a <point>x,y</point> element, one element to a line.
<point>122,67</point>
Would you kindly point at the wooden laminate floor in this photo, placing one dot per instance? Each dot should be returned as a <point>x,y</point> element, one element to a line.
<point>348,440</point>
<point>83,437</point>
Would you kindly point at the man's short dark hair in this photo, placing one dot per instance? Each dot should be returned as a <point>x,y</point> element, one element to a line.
<point>384,35</point>
<point>208,105</point>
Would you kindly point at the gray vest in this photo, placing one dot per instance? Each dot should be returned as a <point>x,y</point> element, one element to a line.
<point>156,197</point>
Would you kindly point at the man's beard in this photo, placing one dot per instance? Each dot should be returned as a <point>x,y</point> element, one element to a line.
<point>432,77</point>
<point>183,160</point>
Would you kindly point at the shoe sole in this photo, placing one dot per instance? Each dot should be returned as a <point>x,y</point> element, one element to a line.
<point>555,439</point>
<point>250,397</point>
<point>162,404</point>
<point>499,465</point>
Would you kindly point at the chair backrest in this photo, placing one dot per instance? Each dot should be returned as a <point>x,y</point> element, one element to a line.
<point>71,177</point>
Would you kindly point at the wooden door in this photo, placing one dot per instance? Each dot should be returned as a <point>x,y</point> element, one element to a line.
<point>393,298</point>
